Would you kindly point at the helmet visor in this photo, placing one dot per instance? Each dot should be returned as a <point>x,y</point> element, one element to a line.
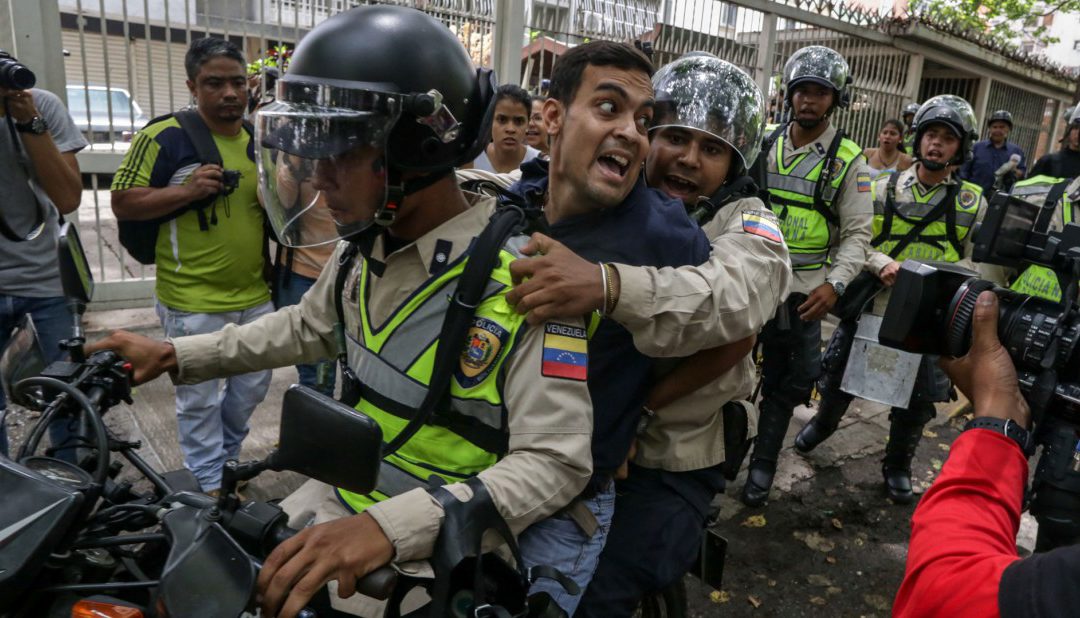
<point>321,174</point>
<point>712,96</point>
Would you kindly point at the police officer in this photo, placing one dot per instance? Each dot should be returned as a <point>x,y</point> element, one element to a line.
<point>1063,196</point>
<point>924,213</point>
<point>706,129</point>
<point>383,132</point>
<point>1064,163</point>
<point>909,126</point>
<point>819,186</point>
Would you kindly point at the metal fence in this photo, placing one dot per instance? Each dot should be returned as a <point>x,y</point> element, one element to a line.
<point>124,64</point>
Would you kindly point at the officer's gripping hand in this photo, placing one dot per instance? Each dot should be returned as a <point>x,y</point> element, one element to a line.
<point>149,358</point>
<point>986,374</point>
<point>344,549</point>
<point>818,303</point>
<point>554,283</point>
<point>887,274</point>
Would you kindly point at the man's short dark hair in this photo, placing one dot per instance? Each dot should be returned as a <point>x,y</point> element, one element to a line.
<point>566,75</point>
<point>516,94</point>
<point>203,50</point>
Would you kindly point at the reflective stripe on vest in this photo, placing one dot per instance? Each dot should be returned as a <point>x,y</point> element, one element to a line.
<point>932,243</point>
<point>1040,281</point>
<point>806,231</point>
<point>394,363</point>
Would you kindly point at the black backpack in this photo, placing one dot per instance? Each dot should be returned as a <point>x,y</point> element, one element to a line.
<point>139,238</point>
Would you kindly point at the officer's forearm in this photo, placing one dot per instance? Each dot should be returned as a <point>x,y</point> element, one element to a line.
<point>697,371</point>
<point>57,172</point>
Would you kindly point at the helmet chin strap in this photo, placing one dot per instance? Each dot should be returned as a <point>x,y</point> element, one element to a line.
<point>933,166</point>
<point>397,189</point>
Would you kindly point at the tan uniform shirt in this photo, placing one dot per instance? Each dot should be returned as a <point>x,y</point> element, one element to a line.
<point>856,213</point>
<point>679,311</point>
<point>876,260</point>
<point>746,277</point>
<point>549,419</point>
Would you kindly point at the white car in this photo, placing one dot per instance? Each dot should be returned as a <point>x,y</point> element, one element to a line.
<point>89,108</point>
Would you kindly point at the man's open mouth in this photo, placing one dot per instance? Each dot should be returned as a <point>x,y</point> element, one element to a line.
<point>616,163</point>
<point>680,184</point>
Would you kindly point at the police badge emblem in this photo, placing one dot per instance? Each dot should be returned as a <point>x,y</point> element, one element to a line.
<point>967,198</point>
<point>837,167</point>
<point>483,343</point>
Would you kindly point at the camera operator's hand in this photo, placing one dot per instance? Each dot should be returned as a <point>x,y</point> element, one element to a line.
<point>818,304</point>
<point>148,357</point>
<point>20,105</point>
<point>986,375</point>
<point>205,182</point>
<point>887,274</point>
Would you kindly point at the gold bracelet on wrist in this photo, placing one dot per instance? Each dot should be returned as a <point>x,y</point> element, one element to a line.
<point>611,294</point>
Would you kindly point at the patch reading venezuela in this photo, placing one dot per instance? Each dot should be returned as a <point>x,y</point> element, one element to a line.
<point>863,181</point>
<point>761,224</point>
<point>483,343</point>
<point>566,352</point>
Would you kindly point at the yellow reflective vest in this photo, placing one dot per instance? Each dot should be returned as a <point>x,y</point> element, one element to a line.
<point>394,362</point>
<point>792,188</point>
<point>892,223</point>
<point>1038,280</point>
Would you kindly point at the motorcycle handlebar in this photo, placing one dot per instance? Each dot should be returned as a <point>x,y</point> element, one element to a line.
<point>377,584</point>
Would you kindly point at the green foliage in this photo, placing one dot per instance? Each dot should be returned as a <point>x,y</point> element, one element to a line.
<point>996,19</point>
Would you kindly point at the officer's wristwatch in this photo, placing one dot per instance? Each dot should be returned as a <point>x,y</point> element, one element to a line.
<point>1006,427</point>
<point>35,125</point>
<point>838,287</point>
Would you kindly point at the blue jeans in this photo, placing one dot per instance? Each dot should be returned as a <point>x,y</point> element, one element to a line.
<point>559,541</point>
<point>53,321</point>
<point>289,288</point>
<point>213,420</point>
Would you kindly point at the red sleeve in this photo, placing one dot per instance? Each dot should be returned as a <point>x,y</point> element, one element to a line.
<point>963,533</point>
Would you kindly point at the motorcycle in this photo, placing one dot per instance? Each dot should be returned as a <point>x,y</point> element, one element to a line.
<point>80,539</point>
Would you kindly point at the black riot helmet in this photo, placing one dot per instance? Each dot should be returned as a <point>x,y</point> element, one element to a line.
<point>384,79</point>
<point>820,65</point>
<point>1002,115</point>
<point>956,114</point>
<point>910,110</point>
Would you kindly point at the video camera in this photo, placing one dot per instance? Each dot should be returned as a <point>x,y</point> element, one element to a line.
<point>13,74</point>
<point>932,304</point>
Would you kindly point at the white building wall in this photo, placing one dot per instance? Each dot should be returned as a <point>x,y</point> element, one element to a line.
<point>1066,51</point>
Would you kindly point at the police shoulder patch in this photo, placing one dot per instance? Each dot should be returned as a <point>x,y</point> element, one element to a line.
<point>761,223</point>
<point>483,344</point>
<point>967,198</point>
<point>863,182</point>
<point>565,353</point>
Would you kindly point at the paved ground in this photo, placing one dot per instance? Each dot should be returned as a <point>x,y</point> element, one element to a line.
<point>827,544</point>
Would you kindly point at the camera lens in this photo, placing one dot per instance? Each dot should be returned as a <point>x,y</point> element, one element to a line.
<point>16,76</point>
<point>1026,326</point>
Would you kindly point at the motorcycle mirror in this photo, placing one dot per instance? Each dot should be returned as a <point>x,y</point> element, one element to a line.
<point>328,441</point>
<point>75,274</point>
<point>21,358</point>
<point>212,563</point>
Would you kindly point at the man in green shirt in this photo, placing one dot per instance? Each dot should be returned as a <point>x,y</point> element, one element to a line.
<point>209,260</point>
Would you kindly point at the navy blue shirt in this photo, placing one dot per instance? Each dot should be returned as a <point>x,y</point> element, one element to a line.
<point>986,160</point>
<point>647,229</point>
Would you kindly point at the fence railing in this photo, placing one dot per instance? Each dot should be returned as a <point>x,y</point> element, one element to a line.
<point>123,64</point>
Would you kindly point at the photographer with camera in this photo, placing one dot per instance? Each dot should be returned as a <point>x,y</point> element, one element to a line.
<point>962,560</point>
<point>923,213</point>
<point>41,182</point>
<point>205,226</point>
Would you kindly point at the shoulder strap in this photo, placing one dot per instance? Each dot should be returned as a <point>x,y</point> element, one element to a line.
<point>826,178</point>
<point>1057,190</point>
<point>950,218</point>
<point>887,216</point>
<point>705,210</point>
<point>759,170</point>
<point>205,149</point>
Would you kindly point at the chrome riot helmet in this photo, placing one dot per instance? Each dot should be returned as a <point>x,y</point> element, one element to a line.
<point>699,91</point>
<point>360,92</point>
<point>910,109</point>
<point>819,65</point>
<point>956,114</point>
